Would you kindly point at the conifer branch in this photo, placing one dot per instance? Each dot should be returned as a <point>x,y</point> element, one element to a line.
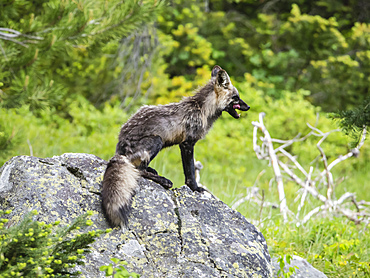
<point>11,35</point>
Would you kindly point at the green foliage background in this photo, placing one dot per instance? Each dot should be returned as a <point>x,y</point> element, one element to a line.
<point>79,69</point>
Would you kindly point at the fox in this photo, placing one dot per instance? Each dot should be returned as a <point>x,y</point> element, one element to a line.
<point>153,128</point>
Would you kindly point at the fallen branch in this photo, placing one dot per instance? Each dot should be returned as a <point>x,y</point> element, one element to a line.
<point>304,195</point>
<point>330,203</point>
<point>275,164</point>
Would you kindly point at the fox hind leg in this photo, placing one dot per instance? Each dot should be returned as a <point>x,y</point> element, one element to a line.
<point>166,183</point>
<point>151,170</point>
<point>152,145</point>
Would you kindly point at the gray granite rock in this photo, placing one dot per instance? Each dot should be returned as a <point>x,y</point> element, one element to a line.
<point>171,233</point>
<point>303,268</point>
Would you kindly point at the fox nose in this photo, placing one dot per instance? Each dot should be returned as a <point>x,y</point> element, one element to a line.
<point>244,107</point>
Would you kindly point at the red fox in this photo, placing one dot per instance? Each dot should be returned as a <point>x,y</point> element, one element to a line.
<point>153,128</point>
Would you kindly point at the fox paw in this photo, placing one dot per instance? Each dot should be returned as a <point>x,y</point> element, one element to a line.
<point>195,187</point>
<point>166,183</point>
<point>199,189</point>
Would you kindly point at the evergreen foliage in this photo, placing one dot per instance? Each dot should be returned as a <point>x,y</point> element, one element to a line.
<point>35,249</point>
<point>353,122</point>
<point>52,51</point>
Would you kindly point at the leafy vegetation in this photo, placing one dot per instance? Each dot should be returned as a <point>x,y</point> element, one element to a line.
<point>275,47</point>
<point>71,72</point>
<point>118,270</point>
<point>35,249</point>
<point>283,260</point>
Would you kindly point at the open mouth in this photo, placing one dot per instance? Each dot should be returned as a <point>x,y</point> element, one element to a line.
<point>233,112</point>
<point>231,108</point>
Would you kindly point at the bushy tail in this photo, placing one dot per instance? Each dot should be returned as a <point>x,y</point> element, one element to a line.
<point>119,185</point>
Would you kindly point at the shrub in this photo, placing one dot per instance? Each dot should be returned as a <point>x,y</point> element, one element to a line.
<point>35,249</point>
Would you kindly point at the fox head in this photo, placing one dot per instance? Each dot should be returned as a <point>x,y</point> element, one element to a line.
<point>228,98</point>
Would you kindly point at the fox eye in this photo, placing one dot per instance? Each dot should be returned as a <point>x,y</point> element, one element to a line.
<point>235,98</point>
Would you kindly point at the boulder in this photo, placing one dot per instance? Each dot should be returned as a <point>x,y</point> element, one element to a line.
<point>303,269</point>
<point>171,233</point>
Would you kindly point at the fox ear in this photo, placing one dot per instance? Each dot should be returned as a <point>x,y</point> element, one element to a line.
<point>223,78</point>
<point>215,70</point>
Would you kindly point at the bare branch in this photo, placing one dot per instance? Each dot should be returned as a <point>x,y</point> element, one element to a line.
<point>310,214</point>
<point>304,192</point>
<point>344,197</point>
<point>294,161</point>
<point>339,206</point>
<point>363,137</point>
<point>327,172</point>
<point>274,162</point>
<point>256,148</point>
<point>311,190</point>
<point>287,143</point>
<point>350,215</point>
<point>354,152</point>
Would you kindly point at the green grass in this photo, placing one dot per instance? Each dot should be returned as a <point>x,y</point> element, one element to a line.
<point>335,246</point>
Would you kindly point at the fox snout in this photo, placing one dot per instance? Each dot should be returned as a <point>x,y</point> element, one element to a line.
<point>237,103</point>
<point>242,106</point>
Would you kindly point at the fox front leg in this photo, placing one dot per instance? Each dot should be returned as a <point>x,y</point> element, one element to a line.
<point>187,157</point>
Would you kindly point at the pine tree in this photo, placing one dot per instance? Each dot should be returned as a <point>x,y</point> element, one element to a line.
<point>54,50</point>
